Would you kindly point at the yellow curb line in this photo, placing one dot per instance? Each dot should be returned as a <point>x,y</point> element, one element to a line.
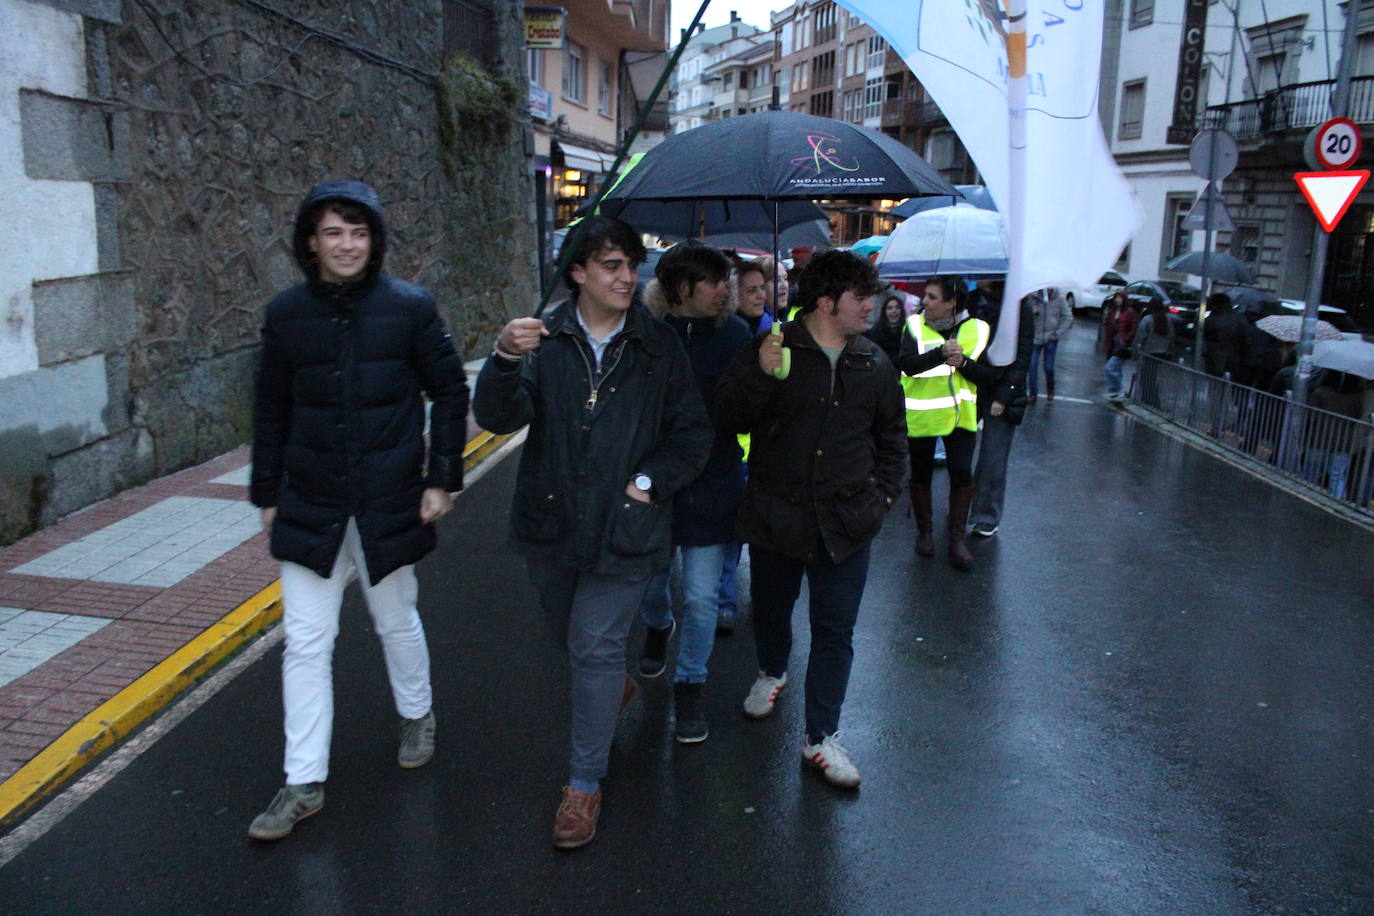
<point>114,719</point>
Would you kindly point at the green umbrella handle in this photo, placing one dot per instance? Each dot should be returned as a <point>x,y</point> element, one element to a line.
<point>786,368</point>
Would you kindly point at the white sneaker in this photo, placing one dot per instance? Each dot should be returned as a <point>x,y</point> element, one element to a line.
<point>763,696</point>
<point>833,762</point>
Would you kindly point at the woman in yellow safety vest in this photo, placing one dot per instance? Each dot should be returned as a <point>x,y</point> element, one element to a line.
<point>940,377</point>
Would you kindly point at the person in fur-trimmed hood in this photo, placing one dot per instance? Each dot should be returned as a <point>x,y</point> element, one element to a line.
<point>691,293</point>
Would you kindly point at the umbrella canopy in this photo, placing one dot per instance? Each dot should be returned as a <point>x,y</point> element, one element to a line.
<point>1220,266</point>
<point>974,194</point>
<point>1288,328</point>
<point>724,223</point>
<point>1254,302</point>
<point>864,247</point>
<point>1349,354</point>
<point>775,156</point>
<point>962,239</point>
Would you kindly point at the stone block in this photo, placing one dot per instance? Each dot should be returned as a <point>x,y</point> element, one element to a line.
<point>81,316</point>
<point>104,10</point>
<point>73,139</point>
<point>96,472</point>
<point>108,254</point>
<point>25,483</point>
<point>65,404</point>
<point>199,413</point>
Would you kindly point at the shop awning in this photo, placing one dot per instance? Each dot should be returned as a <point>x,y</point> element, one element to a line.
<point>580,157</point>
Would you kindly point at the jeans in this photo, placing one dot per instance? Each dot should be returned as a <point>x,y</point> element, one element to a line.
<point>701,567</point>
<point>836,590</point>
<point>990,479</point>
<point>1113,371</point>
<point>310,620</point>
<point>591,615</point>
<point>728,599</point>
<point>1049,348</point>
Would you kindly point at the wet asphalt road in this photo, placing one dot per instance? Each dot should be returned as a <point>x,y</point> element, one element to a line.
<point>1152,695</point>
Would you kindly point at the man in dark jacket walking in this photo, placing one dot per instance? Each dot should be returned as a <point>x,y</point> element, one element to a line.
<point>1226,337</point>
<point>826,460</point>
<point>341,474</point>
<point>1001,405</point>
<point>617,428</point>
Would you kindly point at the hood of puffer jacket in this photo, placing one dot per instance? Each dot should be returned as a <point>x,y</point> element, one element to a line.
<point>657,303</point>
<point>354,192</point>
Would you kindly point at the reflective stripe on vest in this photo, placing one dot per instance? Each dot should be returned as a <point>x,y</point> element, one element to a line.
<point>940,399</point>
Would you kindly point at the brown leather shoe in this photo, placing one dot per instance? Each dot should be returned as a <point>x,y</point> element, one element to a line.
<point>575,823</point>
<point>920,507</point>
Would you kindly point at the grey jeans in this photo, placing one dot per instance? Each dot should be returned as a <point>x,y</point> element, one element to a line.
<point>591,615</point>
<point>990,477</point>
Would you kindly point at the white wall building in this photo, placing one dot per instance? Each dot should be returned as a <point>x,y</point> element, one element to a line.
<point>1268,71</point>
<point>697,78</point>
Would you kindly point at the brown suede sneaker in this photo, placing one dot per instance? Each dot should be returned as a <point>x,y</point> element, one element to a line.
<point>575,823</point>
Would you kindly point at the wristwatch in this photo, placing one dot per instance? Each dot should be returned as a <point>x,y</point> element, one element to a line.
<point>643,482</point>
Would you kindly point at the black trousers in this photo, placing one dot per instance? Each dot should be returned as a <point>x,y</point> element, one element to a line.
<point>959,446</point>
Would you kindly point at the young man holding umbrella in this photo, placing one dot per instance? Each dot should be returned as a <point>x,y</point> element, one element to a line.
<point>616,428</point>
<point>828,450</point>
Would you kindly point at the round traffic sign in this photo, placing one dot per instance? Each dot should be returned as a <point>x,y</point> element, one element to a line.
<point>1213,154</point>
<point>1337,144</point>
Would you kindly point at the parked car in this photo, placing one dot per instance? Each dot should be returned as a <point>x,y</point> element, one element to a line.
<point>1180,299</point>
<point>1337,316</point>
<point>1092,297</point>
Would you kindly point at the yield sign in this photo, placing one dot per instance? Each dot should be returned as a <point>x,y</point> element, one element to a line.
<point>1330,194</point>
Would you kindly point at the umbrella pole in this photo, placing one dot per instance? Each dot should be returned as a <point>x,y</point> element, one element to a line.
<point>777,262</point>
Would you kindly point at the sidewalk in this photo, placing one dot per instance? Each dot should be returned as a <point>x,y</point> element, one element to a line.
<point>110,614</point>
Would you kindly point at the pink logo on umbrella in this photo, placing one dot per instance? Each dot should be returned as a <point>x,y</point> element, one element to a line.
<point>823,150</point>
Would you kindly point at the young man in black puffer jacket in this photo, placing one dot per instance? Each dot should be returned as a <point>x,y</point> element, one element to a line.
<point>341,473</point>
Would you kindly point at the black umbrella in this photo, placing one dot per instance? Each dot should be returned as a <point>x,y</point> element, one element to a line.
<point>1220,266</point>
<point>775,156</point>
<point>975,194</point>
<point>1254,302</point>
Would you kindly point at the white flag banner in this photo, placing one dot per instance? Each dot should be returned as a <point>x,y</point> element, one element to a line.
<point>1068,210</point>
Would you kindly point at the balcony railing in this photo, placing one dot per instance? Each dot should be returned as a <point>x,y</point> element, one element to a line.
<point>1296,107</point>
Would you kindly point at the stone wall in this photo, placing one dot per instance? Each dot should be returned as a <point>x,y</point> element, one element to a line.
<point>201,126</point>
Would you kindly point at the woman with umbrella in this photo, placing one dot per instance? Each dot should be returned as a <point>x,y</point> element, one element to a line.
<point>940,376</point>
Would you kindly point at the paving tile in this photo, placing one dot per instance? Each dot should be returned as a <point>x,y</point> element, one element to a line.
<point>30,638</point>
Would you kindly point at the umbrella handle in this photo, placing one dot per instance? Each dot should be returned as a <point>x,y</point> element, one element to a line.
<point>785,369</point>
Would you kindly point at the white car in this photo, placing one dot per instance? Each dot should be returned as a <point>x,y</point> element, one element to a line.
<point>1092,297</point>
<point>1337,316</point>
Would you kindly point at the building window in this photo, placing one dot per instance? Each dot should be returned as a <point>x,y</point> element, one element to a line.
<point>853,106</point>
<point>1177,240</point>
<point>604,82</point>
<point>876,49</point>
<point>1142,13</point>
<point>1132,110</point>
<point>823,70</point>
<point>801,76</point>
<point>536,64</point>
<point>1246,241</point>
<point>873,97</point>
<point>574,72</point>
<point>940,151</point>
<point>823,104</point>
<point>728,82</point>
<point>825,24</point>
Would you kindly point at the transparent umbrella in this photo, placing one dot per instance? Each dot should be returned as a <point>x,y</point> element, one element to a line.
<point>962,239</point>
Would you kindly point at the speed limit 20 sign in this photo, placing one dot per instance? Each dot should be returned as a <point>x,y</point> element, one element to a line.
<point>1337,144</point>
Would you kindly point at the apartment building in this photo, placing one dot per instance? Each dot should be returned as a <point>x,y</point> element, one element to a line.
<point>714,77</point>
<point>585,95</point>
<point>1267,76</point>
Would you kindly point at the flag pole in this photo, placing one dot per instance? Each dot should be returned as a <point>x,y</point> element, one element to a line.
<point>1003,349</point>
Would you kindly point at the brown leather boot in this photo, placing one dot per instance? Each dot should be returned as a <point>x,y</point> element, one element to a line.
<point>1049,387</point>
<point>960,498</point>
<point>925,526</point>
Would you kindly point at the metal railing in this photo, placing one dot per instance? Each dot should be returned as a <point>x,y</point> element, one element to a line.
<point>1318,448</point>
<point>1293,107</point>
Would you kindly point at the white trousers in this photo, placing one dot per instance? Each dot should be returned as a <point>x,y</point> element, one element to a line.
<point>311,621</point>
